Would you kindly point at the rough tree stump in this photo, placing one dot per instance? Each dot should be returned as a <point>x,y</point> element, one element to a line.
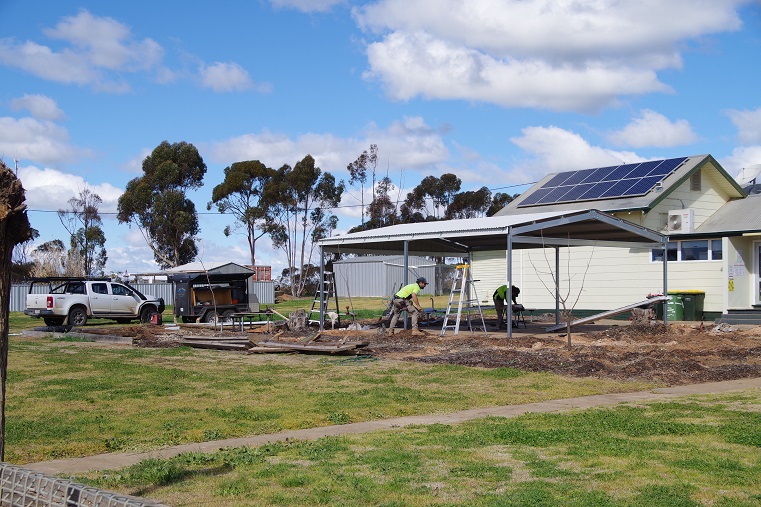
<point>298,320</point>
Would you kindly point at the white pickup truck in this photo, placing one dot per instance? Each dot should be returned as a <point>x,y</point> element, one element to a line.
<point>74,300</point>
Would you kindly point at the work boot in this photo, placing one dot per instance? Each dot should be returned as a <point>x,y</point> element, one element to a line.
<point>418,332</point>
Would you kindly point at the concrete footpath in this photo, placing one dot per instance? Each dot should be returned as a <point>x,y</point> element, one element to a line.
<point>119,460</point>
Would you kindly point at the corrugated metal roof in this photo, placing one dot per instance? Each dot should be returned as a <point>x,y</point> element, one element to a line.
<point>210,267</point>
<point>374,258</point>
<point>738,216</point>
<point>455,237</point>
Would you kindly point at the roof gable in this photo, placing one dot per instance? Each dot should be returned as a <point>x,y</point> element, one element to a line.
<point>618,188</point>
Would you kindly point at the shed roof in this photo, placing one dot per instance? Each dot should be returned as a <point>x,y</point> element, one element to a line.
<point>457,237</point>
<point>217,268</point>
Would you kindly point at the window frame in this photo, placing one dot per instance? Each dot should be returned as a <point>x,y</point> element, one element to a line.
<point>675,249</point>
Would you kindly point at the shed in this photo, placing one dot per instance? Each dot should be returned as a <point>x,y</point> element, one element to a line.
<point>383,275</point>
<point>464,237</point>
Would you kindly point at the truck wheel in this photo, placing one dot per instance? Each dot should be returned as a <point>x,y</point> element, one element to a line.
<point>53,321</point>
<point>77,316</point>
<point>227,317</point>
<point>145,314</point>
<point>211,317</point>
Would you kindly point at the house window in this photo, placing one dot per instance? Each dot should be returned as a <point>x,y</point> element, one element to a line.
<point>693,250</point>
<point>716,251</point>
<point>670,253</point>
<point>695,181</point>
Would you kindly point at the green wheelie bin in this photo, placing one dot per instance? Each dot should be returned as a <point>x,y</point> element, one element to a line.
<point>675,306</point>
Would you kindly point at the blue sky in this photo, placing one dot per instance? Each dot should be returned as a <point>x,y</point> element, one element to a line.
<point>498,93</point>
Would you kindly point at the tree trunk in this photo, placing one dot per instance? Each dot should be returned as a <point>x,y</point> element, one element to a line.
<point>14,229</point>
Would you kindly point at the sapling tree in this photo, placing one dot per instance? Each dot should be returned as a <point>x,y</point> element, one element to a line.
<point>565,297</point>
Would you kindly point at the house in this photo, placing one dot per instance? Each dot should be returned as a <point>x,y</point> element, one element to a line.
<point>636,229</point>
<point>712,224</point>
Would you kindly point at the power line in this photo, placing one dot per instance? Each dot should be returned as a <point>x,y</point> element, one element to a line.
<point>340,206</point>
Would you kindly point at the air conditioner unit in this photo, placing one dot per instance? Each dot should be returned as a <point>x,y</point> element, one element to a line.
<point>681,220</point>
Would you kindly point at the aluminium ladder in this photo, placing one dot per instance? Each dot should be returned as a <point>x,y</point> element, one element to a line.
<point>328,289</point>
<point>462,285</point>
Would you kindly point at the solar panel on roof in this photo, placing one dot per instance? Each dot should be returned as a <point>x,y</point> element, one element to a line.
<point>558,179</point>
<point>619,172</point>
<point>596,191</point>
<point>642,169</point>
<point>644,185</point>
<point>598,174</point>
<point>603,182</point>
<point>578,176</point>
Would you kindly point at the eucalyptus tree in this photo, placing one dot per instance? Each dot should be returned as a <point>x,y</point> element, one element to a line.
<point>430,199</point>
<point>358,173</point>
<point>298,203</point>
<point>83,223</point>
<point>469,204</point>
<point>239,195</point>
<point>158,205</point>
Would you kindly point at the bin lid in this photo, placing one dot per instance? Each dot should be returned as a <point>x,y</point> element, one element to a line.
<point>686,292</point>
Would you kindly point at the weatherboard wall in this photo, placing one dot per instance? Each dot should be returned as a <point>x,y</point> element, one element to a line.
<point>601,278</point>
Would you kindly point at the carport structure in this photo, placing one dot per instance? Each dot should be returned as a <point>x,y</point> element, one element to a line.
<point>459,238</point>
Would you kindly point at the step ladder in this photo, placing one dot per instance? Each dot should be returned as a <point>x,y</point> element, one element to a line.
<point>328,289</point>
<point>462,285</point>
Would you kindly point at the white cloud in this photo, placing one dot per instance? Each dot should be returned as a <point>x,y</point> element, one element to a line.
<point>654,129</point>
<point>306,5</point>
<point>417,64</point>
<point>106,43</point>
<point>748,124</point>
<point>409,143</point>
<point>96,51</point>
<point>225,77</point>
<point>50,189</point>
<point>135,164</point>
<point>552,149</point>
<point>544,54</point>
<point>39,106</point>
<point>741,158</point>
<point>43,142</point>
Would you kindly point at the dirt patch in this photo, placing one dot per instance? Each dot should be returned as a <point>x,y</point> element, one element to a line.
<point>677,354</point>
<point>681,353</point>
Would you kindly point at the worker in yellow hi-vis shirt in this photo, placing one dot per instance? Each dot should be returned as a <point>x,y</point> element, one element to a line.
<point>406,299</point>
<point>499,297</point>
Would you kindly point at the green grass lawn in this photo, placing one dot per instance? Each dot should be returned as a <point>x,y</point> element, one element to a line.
<point>703,450</point>
<point>68,398</point>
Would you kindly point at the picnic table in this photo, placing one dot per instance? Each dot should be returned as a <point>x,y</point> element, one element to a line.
<point>240,319</point>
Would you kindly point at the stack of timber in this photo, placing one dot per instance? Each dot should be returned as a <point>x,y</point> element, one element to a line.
<point>216,342</point>
<point>308,344</point>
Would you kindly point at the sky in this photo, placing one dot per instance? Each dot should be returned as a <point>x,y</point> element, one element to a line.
<point>499,93</point>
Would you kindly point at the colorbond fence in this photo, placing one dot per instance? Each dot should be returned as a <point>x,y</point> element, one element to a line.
<point>265,292</point>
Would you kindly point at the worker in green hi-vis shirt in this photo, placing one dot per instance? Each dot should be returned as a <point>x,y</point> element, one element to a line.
<point>499,297</point>
<point>406,299</point>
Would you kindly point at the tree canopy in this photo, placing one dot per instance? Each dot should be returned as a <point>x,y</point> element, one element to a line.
<point>297,203</point>
<point>239,195</point>
<point>157,203</point>
<point>83,223</point>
